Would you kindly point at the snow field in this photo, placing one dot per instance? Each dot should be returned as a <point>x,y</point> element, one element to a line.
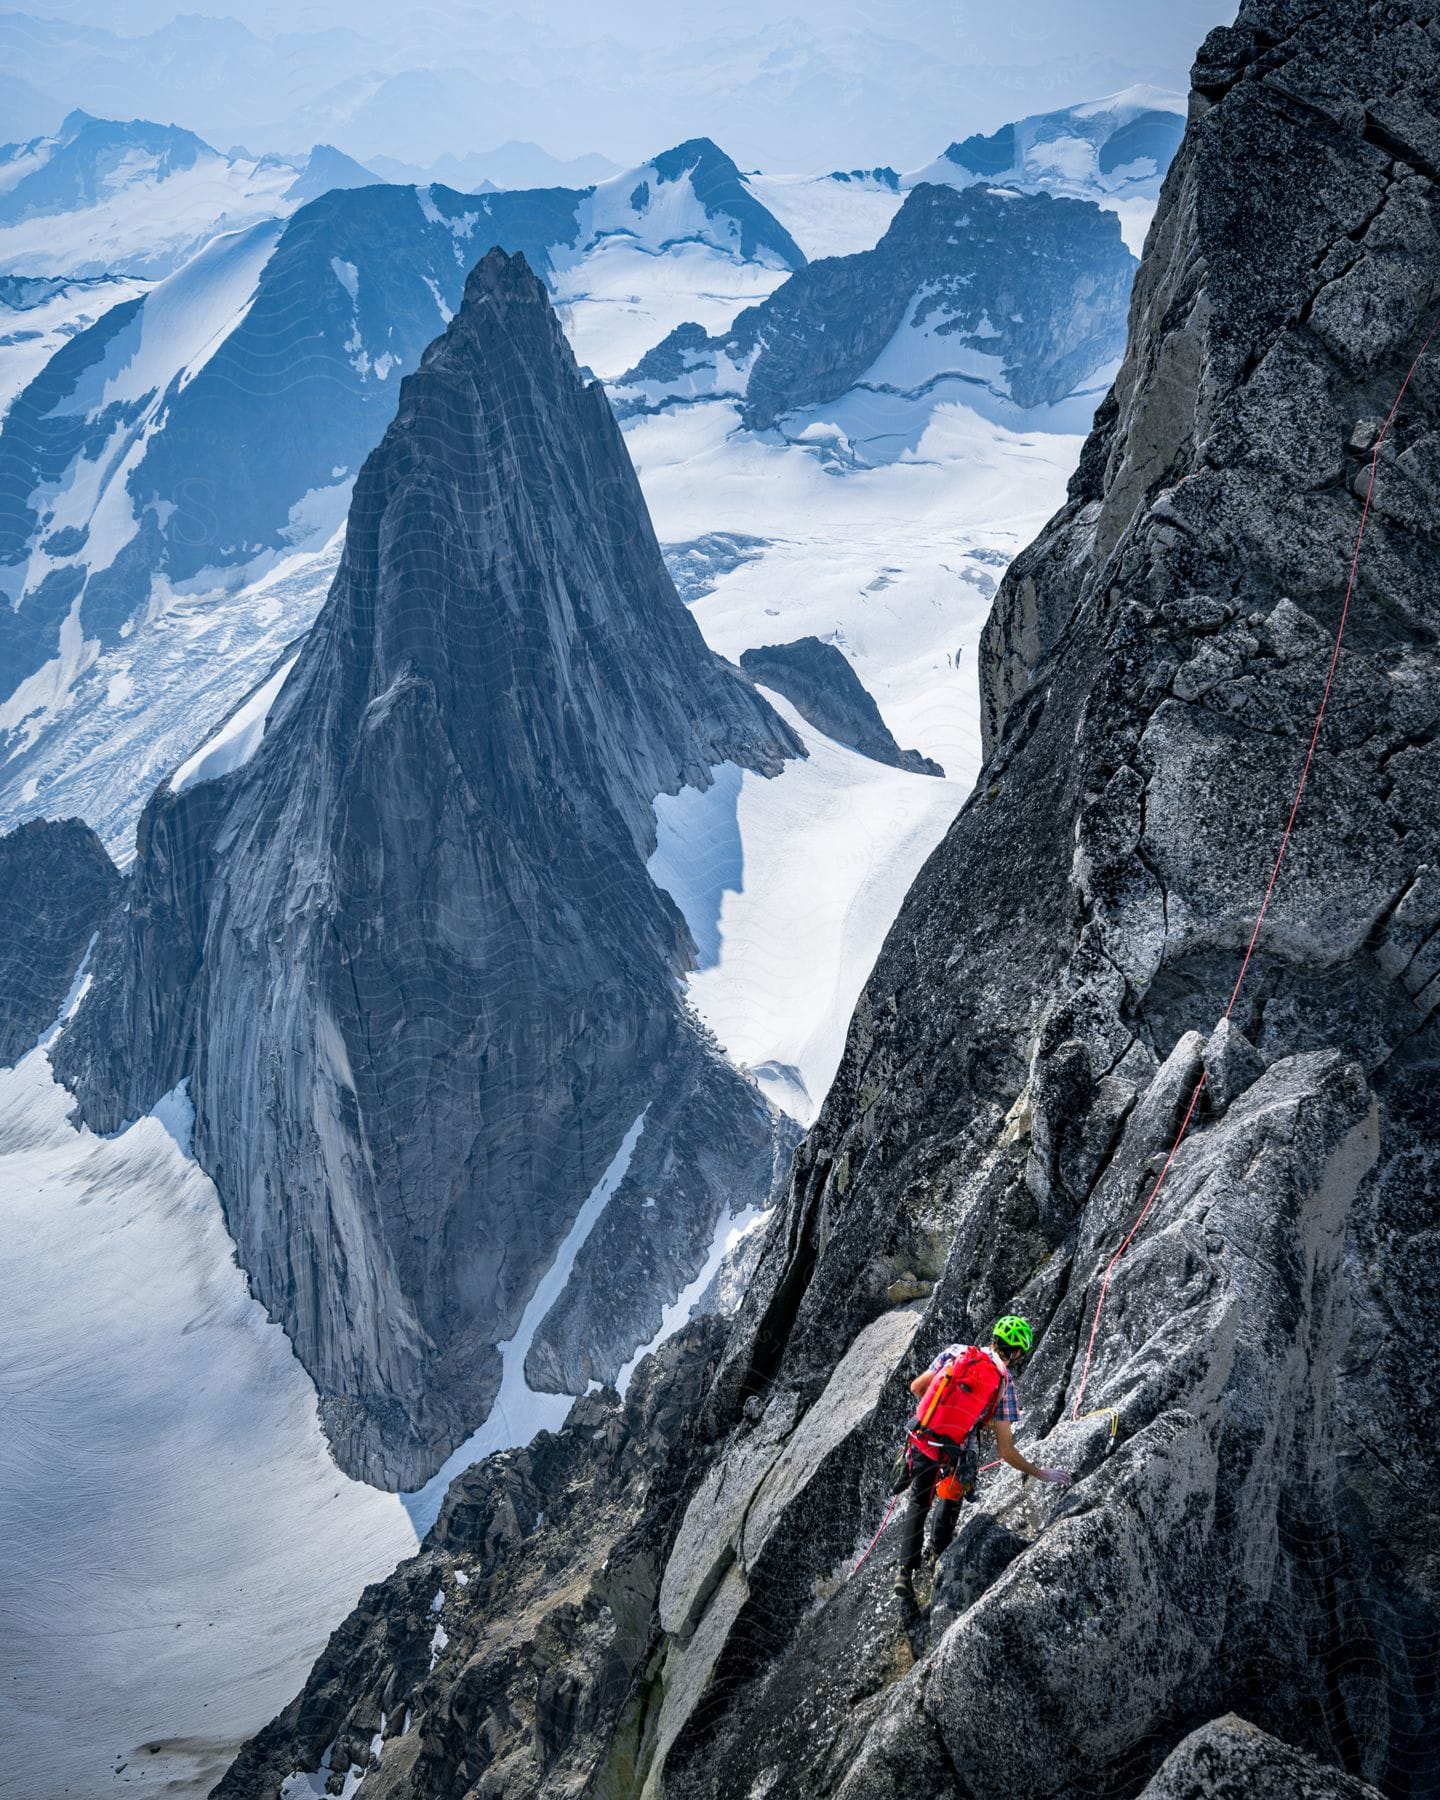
<point>148,227</point>
<point>827,217</point>
<point>789,886</point>
<point>621,299</point>
<point>178,1540</point>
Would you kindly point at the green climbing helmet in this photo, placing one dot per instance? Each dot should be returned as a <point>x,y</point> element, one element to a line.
<point>1014,1331</point>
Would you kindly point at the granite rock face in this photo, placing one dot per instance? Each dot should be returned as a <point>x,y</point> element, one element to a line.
<point>1229,1756</point>
<point>1247,1418</point>
<point>57,888</point>
<point>408,953</point>
<point>821,685</point>
<point>1025,292</point>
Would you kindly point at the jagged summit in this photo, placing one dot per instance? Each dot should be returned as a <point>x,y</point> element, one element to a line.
<point>500,446</point>
<point>721,190</point>
<point>405,947</point>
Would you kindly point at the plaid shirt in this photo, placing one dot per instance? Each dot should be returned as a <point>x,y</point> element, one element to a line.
<point>1008,1409</point>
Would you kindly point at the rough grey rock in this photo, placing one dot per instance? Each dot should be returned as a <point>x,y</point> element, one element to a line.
<point>57,888</point>
<point>545,1561</point>
<point>1229,1759</point>
<point>1247,1420</point>
<point>818,681</point>
<point>1231,1065</point>
<point>706,1136</point>
<point>409,954</point>
<point>1031,287</point>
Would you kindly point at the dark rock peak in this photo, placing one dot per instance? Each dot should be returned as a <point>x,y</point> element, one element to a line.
<point>57,888</point>
<point>420,912</point>
<point>991,154</point>
<point>817,679</point>
<point>698,157</point>
<point>496,425</point>
<point>885,175</point>
<point>74,123</point>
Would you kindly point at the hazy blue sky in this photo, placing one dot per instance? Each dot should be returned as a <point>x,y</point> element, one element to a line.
<point>814,86</point>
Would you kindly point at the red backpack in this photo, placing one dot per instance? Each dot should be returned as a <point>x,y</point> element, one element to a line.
<point>960,1397</point>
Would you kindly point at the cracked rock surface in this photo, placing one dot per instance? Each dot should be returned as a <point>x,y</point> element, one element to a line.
<point>1238,1592</point>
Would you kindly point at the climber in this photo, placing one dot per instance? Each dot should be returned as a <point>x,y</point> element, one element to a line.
<point>966,1387</point>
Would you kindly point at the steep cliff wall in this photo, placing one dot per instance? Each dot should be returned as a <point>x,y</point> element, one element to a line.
<point>57,888</point>
<point>408,954</point>
<point>1249,1530</point>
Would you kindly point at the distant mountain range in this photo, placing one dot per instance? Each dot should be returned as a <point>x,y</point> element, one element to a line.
<point>106,196</point>
<point>789,92</point>
<point>165,452</point>
<point>988,293</point>
<point>195,436</point>
<point>516,164</point>
<point>1114,151</point>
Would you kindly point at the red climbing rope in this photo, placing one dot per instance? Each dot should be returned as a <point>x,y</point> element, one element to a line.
<point>876,1539</point>
<point>1274,873</point>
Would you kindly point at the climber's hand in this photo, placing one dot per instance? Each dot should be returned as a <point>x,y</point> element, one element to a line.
<point>1059,1476</point>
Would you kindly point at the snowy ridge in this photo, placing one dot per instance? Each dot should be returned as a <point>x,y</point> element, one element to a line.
<point>680,237</point>
<point>238,738</point>
<point>38,313</point>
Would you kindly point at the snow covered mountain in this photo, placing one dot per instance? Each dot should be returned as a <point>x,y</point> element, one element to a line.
<point>105,196</point>
<point>38,313</point>
<point>1004,298</point>
<point>206,434</point>
<point>680,237</point>
<point>1114,151</point>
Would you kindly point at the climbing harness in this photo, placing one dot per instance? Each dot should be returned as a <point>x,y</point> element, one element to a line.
<point>1274,874</point>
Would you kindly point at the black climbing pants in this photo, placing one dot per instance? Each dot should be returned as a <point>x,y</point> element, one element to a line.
<point>912,1526</point>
